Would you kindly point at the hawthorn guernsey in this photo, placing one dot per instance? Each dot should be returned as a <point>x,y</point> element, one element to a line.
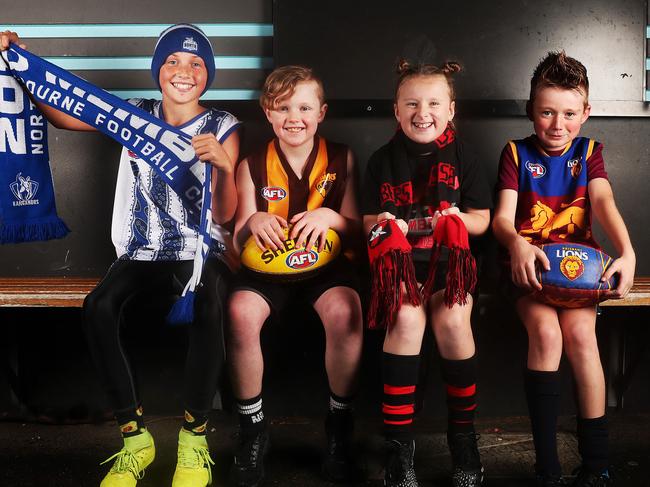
<point>290,262</point>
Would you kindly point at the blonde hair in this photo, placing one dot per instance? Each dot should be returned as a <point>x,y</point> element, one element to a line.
<point>282,82</point>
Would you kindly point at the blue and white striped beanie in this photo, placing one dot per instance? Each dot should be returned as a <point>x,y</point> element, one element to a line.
<point>182,38</point>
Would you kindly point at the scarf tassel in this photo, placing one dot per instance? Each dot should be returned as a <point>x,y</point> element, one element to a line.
<point>33,231</point>
<point>461,276</point>
<point>387,275</point>
<point>182,312</point>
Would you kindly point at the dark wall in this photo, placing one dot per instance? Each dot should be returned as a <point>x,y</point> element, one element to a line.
<point>355,44</point>
<point>606,37</point>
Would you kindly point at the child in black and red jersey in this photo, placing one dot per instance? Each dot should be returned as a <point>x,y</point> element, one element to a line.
<point>291,166</point>
<point>548,185</point>
<point>424,175</point>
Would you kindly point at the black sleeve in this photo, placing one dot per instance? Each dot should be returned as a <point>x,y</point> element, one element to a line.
<point>369,198</point>
<point>475,191</point>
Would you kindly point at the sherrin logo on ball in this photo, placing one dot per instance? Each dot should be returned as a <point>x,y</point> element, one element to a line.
<point>573,280</point>
<point>290,263</point>
<point>273,193</point>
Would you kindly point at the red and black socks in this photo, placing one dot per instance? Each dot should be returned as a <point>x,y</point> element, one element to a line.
<point>543,396</point>
<point>400,376</point>
<point>459,377</point>
<point>130,421</point>
<point>593,444</point>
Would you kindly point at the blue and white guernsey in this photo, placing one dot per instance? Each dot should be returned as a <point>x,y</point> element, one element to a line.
<point>149,220</point>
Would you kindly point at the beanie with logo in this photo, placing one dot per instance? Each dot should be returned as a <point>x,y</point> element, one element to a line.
<point>183,38</point>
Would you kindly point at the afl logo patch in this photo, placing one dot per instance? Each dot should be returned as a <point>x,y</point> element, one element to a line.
<point>301,259</point>
<point>536,169</point>
<point>273,193</point>
<point>572,267</point>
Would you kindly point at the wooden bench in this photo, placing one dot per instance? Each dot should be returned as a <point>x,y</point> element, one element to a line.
<point>30,292</point>
<point>70,292</point>
<point>60,292</point>
<point>621,366</point>
<point>46,292</point>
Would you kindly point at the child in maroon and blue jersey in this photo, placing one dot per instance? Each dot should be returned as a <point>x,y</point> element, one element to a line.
<point>549,183</point>
<point>553,201</point>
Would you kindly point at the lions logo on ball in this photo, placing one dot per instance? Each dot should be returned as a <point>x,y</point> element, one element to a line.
<point>572,267</point>
<point>301,259</point>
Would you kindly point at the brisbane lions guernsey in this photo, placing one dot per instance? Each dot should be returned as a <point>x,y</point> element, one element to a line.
<point>553,201</point>
<point>280,191</point>
<point>149,220</point>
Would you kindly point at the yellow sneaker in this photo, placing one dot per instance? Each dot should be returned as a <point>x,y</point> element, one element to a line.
<point>130,462</point>
<point>193,467</point>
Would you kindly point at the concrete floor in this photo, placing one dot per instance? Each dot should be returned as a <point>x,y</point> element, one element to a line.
<point>44,455</point>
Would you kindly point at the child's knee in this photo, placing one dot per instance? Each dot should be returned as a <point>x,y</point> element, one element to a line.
<point>409,325</point>
<point>453,324</point>
<point>345,319</point>
<point>581,340</point>
<point>546,337</point>
<point>247,315</point>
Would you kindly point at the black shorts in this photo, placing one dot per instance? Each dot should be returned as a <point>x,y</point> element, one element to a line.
<point>341,272</point>
<point>509,289</point>
<point>422,274</point>
<point>440,279</point>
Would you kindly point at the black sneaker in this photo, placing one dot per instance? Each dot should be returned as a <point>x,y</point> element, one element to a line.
<point>399,464</point>
<point>248,468</point>
<point>585,478</point>
<point>338,464</point>
<point>468,471</point>
<point>550,481</point>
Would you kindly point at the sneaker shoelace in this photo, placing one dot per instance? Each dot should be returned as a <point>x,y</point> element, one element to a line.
<point>125,461</point>
<point>196,457</point>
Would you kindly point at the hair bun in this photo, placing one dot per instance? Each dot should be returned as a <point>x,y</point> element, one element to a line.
<point>451,67</point>
<point>404,66</point>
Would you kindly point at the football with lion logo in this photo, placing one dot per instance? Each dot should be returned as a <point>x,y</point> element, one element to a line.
<point>290,263</point>
<point>574,278</point>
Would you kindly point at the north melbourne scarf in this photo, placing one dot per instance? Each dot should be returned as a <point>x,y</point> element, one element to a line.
<point>165,148</point>
<point>27,208</point>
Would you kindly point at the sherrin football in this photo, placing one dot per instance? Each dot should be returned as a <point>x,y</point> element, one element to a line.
<point>574,278</point>
<point>290,263</point>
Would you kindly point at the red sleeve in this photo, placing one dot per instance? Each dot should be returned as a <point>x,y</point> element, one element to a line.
<point>508,177</point>
<point>596,164</point>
